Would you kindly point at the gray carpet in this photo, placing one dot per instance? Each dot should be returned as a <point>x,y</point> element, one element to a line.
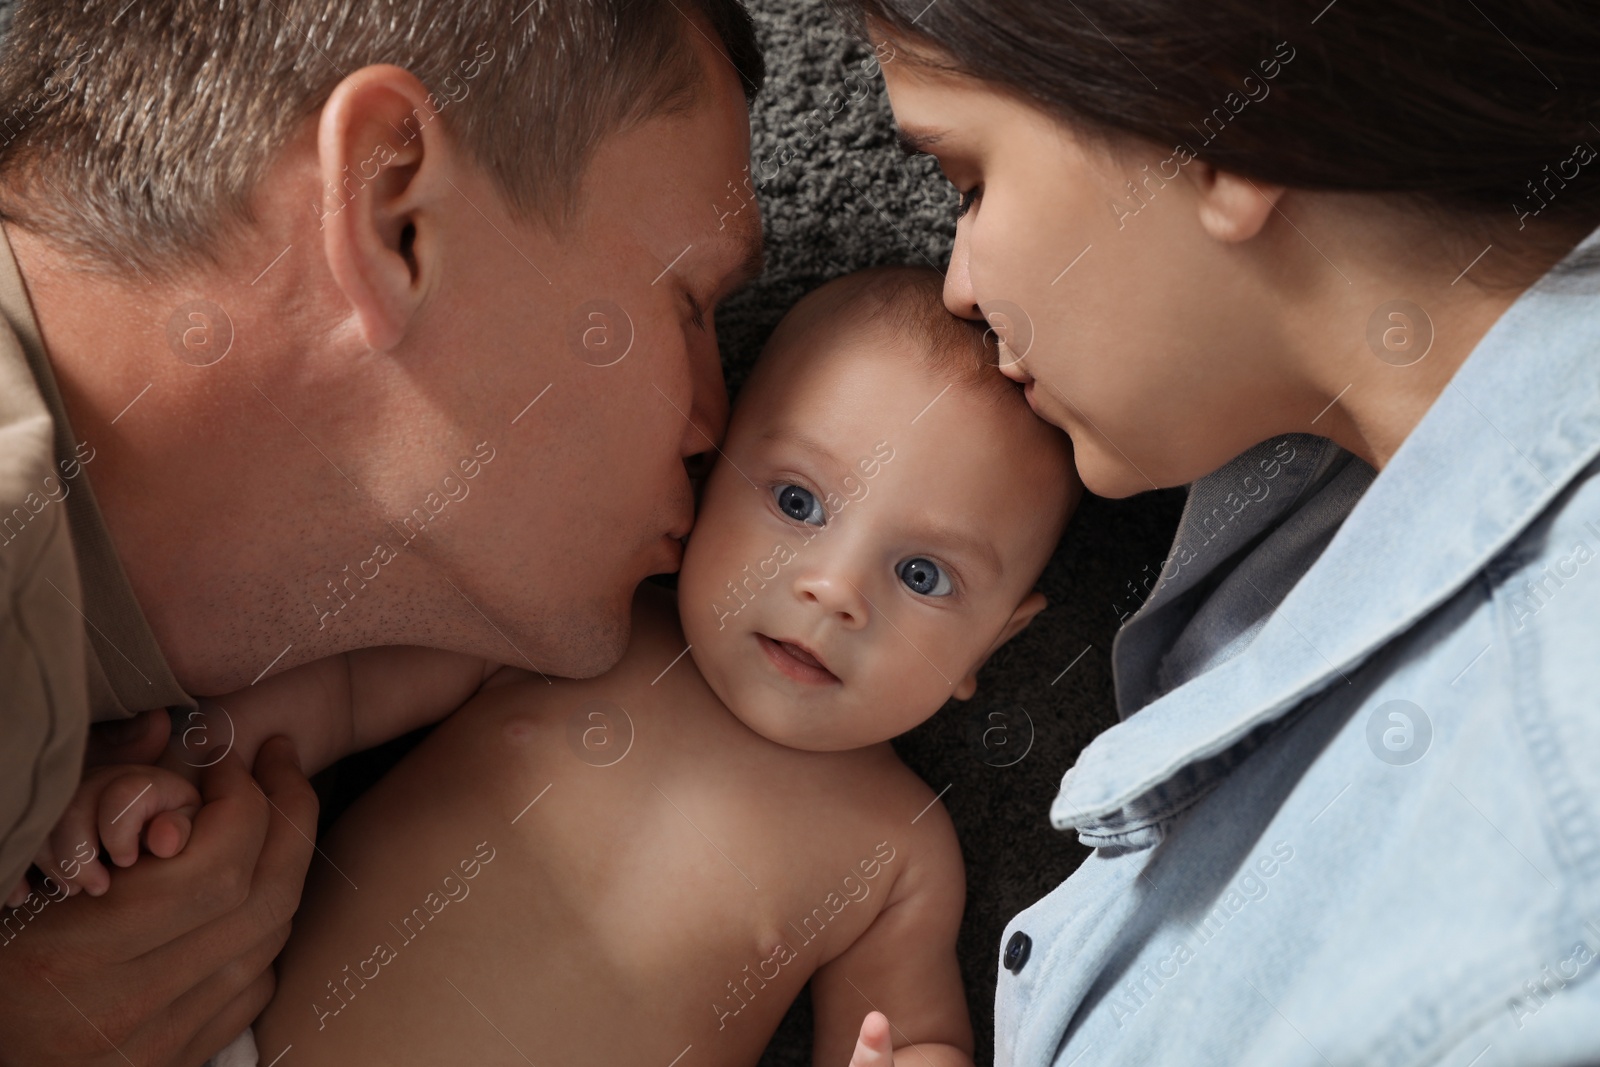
<point>849,200</point>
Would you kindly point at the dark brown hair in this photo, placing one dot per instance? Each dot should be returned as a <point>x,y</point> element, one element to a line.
<point>133,140</point>
<point>1488,110</point>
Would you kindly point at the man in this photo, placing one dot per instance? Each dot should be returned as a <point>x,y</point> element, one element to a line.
<point>362,334</point>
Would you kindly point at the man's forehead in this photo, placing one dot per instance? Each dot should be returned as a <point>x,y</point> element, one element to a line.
<point>699,247</point>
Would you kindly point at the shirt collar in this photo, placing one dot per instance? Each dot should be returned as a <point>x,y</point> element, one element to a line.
<point>1226,514</point>
<point>127,672</point>
<point>1515,425</point>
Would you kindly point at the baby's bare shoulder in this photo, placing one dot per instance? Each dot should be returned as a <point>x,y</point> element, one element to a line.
<point>878,791</point>
<point>883,779</point>
<point>912,812</point>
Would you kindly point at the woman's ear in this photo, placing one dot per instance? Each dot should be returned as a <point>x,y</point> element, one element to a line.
<point>1031,605</point>
<point>381,155</point>
<point>1232,207</point>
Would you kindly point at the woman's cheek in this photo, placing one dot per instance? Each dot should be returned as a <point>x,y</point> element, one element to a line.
<point>1054,357</point>
<point>1020,248</point>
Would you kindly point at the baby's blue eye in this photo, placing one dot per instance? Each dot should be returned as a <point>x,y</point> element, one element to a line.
<point>800,504</point>
<point>924,576</point>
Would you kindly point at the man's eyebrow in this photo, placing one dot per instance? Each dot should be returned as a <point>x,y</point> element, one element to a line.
<point>915,141</point>
<point>754,261</point>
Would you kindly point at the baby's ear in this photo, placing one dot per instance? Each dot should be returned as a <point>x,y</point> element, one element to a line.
<point>1031,605</point>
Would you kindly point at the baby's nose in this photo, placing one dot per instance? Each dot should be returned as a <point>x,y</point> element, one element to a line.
<point>835,593</point>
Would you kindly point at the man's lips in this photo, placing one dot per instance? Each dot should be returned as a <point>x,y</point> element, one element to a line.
<point>678,536</point>
<point>796,661</point>
<point>672,550</point>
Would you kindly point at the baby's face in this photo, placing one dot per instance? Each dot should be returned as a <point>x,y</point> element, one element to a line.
<point>862,543</point>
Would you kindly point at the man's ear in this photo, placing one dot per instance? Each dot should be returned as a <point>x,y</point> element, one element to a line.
<point>1232,207</point>
<point>381,155</point>
<point>1031,605</point>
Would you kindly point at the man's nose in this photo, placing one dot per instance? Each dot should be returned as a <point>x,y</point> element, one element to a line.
<point>708,399</point>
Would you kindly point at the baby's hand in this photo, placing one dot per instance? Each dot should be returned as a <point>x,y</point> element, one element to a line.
<point>873,1048</point>
<point>118,806</point>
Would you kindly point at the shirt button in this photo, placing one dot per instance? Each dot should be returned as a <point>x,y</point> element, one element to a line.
<point>1017,950</point>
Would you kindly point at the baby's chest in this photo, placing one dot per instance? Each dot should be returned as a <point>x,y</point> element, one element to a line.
<point>734,915</point>
<point>751,870</point>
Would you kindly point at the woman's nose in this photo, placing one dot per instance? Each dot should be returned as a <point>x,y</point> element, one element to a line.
<point>961,300</point>
<point>958,295</point>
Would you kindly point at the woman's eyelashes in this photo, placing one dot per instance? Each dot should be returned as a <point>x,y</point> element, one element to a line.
<point>799,504</point>
<point>923,576</point>
<point>967,200</point>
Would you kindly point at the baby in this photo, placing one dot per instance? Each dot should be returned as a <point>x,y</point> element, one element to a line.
<point>657,860</point>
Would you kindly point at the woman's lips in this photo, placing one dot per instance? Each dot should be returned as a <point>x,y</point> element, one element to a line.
<point>1055,417</point>
<point>795,662</point>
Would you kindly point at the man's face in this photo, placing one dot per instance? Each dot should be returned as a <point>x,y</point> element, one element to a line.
<point>588,364</point>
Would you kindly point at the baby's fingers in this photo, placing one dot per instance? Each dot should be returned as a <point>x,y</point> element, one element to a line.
<point>133,800</point>
<point>168,832</point>
<point>873,1047</point>
<point>71,855</point>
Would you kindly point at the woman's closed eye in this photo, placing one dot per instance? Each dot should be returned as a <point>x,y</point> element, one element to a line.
<point>968,198</point>
<point>924,577</point>
<point>799,504</point>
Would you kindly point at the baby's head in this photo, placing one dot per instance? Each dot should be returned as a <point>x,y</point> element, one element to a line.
<point>883,505</point>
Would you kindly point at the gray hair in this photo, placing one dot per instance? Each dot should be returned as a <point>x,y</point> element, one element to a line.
<point>133,140</point>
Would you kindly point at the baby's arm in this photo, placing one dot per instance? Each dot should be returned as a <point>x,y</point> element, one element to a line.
<point>329,708</point>
<point>334,706</point>
<point>903,967</point>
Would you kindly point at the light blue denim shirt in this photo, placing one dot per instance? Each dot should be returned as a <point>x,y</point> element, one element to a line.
<point>1352,812</point>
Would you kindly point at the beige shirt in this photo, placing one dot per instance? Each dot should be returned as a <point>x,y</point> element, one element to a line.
<point>74,646</point>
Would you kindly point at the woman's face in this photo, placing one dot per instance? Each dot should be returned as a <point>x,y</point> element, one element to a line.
<point>1146,338</point>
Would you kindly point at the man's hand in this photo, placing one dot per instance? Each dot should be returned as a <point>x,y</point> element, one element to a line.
<point>176,959</point>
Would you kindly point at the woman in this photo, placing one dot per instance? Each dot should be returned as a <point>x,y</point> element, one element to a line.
<point>1335,268</point>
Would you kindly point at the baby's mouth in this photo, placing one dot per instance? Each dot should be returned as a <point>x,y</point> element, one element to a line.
<point>796,662</point>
